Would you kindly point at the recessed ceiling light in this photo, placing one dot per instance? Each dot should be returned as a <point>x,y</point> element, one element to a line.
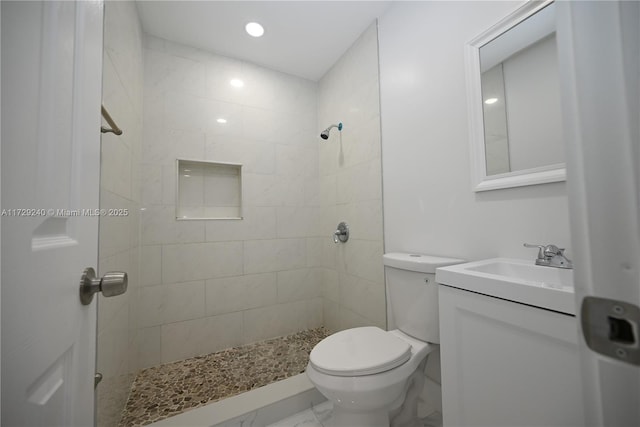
<point>254,29</point>
<point>491,101</point>
<point>236,83</point>
<point>221,120</point>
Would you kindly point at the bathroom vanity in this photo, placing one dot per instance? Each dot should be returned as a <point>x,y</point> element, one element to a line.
<point>509,345</point>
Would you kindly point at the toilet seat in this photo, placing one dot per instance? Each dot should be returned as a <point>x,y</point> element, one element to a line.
<point>359,351</point>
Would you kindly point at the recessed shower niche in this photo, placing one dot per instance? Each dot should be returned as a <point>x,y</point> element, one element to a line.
<point>208,190</point>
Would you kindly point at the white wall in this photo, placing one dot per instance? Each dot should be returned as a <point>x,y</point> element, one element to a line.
<point>351,187</point>
<point>429,206</point>
<point>119,243</point>
<point>213,284</point>
<point>428,203</point>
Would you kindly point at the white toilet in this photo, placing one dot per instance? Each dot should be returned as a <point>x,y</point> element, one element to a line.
<point>374,377</point>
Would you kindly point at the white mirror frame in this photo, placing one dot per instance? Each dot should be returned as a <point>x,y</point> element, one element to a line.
<point>480,180</point>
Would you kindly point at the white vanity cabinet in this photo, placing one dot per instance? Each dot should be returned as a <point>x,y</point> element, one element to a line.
<point>505,363</point>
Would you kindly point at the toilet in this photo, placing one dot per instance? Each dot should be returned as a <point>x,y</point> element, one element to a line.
<point>374,377</point>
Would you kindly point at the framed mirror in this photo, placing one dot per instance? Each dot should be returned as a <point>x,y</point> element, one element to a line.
<point>514,101</point>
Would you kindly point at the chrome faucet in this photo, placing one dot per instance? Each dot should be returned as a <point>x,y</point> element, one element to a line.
<point>551,256</point>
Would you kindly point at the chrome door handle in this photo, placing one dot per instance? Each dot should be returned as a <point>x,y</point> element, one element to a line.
<point>111,284</point>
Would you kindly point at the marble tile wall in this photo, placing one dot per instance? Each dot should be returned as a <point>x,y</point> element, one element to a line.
<point>210,284</point>
<point>351,188</point>
<point>119,238</point>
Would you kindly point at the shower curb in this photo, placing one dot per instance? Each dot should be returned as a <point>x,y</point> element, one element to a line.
<point>260,407</point>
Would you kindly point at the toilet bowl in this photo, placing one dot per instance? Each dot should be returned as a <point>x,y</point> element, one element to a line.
<point>372,376</point>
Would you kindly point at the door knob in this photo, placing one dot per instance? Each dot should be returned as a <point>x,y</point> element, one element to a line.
<point>111,284</point>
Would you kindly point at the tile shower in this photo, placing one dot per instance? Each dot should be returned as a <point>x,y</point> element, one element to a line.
<point>209,285</point>
<point>213,284</point>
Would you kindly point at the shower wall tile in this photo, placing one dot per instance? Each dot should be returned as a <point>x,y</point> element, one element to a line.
<point>330,249</point>
<point>184,51</point>
<point>312,191</point>
<point>261,190</point>
<point>259,124</point>
<point>274,255</point>
<point>331,315</point>
<point>150,265</point>
<point>115,173</point>
<point>297,285</point>
<point>360,296</point>
<point>169,178</point>
<point>231,294</point>
<point>297,160</point>
<point>219,71</point>
<point>119,236</point>
<point>360,182</point>
<point>163,70</point>
<point>366,218</point>
<point>232,113</point>
<point>257,223</point>
<point>363,147</point>
<point>153,112</point>
<point>197,261</point>
<point>201,277</point>
<point>170,303</point>
<point>294,190</point>
<point>330,285</point>
<point>151,184</point>
<point>200,336</point>
<point>112,341</point>
<point>163,146</point>
<point>184,111</point>
<point>328,189</point>
<point>149,349</point>
<point>115,98</point>
<point>222,332</point>
<point>134,223</point>
<point>363,258</point>
<point>298,221</point>
<point>159,226</point>
<point>184,301</point>
<point>115,229</point>
<point>151,306</point>
<point>181,340</point>
<point>348,319</point>
<point>258,158</point>
<point>350,177</point>
<point>314,250</point>
<point>284,319</point>
<point>152,43</point>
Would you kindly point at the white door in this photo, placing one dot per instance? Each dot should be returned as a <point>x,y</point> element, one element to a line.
<point>51,89</point>
<point>599,58</point>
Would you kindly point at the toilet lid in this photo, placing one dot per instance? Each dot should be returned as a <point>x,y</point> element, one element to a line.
<point>359,351</point>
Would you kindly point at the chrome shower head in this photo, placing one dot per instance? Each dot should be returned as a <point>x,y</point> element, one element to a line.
<point>325,133</point>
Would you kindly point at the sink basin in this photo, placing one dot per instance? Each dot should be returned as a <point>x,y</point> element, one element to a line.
<point>514,280</point>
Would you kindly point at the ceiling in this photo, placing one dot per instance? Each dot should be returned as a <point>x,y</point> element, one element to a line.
<point>304,38</point>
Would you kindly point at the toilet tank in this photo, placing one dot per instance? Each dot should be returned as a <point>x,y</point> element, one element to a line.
<point>412,293</point>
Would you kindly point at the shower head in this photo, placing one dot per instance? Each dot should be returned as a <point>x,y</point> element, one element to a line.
<point>325,133</point>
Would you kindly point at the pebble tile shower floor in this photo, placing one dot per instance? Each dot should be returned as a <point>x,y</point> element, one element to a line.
<point>167,390</point>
